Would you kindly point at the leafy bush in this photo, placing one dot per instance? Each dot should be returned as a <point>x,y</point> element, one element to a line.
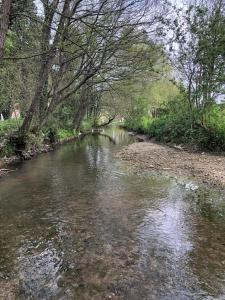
<point>177,125</point>
<point>65,133</point>
<point>87,124</point>
<point>7,127</point>
<point>35,141</point>
<point>7,150</point>
<point>139,124</point>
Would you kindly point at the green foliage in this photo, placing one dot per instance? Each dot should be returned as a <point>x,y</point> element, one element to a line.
<point>177,125</point>
<point>18,77</point>
<point>139,124</point>
<point>35,141</point>
<point>53,133</point>
<point>178,130</point>
<point>130,76</point>
<point>9,42</point>
<point>65,133</point>
<point>199,48</point>
<point>7,150</point>
<point>63,117</point>
<point>12,140</point>
<point>87,124</point>
<point>153,96</point>
<point>7,127</point>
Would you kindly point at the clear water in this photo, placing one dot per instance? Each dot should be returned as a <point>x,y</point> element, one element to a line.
<point>78,223</point>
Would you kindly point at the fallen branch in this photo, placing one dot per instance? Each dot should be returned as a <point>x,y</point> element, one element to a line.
<point>106,123</point>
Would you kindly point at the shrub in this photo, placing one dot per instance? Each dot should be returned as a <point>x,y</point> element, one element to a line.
<point>177,126</point>
<point>65,133</point>
<point>87,124</point>
<point>7,127</point>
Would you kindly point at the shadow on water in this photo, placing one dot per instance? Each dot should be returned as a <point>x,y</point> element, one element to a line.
<point>79,224</point>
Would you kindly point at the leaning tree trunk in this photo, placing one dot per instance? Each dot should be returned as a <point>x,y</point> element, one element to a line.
<point>79,116</point>
<point>83,104</point>
<point>4,22</point>
<point>43,77</point>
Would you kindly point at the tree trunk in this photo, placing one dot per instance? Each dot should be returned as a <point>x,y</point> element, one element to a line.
<point>42,79</point>
<point>83,104</point>
<point>79,116</point>
<point>4,22</point>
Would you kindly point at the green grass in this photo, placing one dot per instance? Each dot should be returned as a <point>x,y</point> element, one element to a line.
<point>65,133</point>
<point>9,126</point>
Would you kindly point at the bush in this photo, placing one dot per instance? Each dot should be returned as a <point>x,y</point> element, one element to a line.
<point>6,150</point>
<point>87,124</point>
<point>139,124</point>
<point>176,126</point>
<point>65,133</point>
<point>7,127</point>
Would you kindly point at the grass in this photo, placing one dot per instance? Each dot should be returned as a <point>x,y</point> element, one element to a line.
<point>9,126</point>
<point>65,133</point>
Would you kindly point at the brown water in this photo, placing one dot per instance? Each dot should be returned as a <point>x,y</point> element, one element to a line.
<point>79,224</point>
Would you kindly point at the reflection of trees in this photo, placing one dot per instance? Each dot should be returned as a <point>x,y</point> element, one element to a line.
<point>65,212</point>
<point>120,207</point>
<point>48,213</point>
<point>164,238</point>
<point>101,214</point>
<point>112,140</point>
<point>181,246</point>
<point>74,218</point>
<point>207,258</point>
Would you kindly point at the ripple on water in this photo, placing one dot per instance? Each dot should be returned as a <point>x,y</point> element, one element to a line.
<point>80,224</point>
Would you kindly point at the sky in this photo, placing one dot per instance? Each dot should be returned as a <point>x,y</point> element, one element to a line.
<point>39,6</point>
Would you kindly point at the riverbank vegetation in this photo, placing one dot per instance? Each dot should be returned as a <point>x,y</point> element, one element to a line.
<point>192,113</point>
<point>69,66</point>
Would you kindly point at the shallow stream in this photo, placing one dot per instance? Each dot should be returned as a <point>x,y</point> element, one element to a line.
<point>78,223</point>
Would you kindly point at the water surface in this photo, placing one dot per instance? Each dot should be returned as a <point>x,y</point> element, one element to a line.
<point>78,223</point>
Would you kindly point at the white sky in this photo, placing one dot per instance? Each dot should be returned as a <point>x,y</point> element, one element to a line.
<point>176,2</point>
<point>39,6</point>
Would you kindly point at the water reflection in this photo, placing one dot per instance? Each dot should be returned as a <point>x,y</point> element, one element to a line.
<point>79,224</point>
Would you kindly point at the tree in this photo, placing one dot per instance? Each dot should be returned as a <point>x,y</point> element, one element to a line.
<point>17,77</point>
<point>4,22</point>
<point>80,40</point>
<point>198,53</point>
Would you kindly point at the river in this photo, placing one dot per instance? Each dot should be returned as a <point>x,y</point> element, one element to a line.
<point>78,223</point>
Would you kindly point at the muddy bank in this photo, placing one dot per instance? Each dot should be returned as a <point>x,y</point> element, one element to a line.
<point>207,168</point>
<point>7,163</point>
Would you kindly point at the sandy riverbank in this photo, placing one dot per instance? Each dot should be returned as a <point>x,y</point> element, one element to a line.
<point>208,168</point>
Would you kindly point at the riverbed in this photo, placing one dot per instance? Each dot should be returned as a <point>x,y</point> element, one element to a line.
<point>79,223</point>
<point>206,167</point>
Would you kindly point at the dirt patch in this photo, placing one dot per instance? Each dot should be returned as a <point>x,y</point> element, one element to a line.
<point>209,168</point>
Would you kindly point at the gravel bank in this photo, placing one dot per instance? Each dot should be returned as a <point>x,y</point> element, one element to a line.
<point>209,168</point>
